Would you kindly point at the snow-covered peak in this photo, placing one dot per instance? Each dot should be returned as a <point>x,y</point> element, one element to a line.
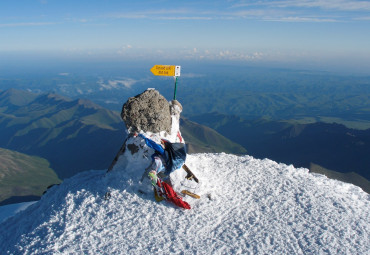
<point>247,206</point>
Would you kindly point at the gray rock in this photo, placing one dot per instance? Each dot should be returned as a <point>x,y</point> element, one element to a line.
<point>148,111</point>
<point>133,148</point>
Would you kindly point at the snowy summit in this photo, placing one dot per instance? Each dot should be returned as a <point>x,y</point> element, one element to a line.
<point>246,206</point>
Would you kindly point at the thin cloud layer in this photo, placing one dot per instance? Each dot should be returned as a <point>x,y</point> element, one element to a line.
<point>27,24</point>
<point>293,11</point>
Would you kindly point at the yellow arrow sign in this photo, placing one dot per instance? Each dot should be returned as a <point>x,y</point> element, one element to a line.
<point>166,70</point>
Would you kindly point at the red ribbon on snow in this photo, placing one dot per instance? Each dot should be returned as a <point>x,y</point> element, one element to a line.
<point>171,195</point>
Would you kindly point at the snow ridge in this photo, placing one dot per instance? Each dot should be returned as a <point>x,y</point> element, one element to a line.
<point>247,206</point>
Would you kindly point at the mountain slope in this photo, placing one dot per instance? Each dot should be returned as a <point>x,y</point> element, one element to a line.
<point>247,206</point>
<point>13,97</point>
<point>68,133</point>
<point>23,176</point>
<point>77,135</point>
<point>204,139</point>
<point>350,177</point>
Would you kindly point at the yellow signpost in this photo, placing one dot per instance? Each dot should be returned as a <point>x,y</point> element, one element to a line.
<point>167,70</point>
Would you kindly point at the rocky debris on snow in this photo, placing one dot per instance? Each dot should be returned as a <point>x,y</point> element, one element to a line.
<point>133,148</point>
<point>148,111</point>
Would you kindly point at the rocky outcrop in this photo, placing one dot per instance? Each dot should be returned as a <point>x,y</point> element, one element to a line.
<point>147,112</point>
<point>150,114</point>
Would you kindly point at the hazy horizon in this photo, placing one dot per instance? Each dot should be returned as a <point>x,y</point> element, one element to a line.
<point>307,34</point>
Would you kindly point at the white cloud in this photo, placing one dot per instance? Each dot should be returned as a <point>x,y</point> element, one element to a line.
<point>163,14</point>
<point>127,83</point>
<point>278,10</point>
<point>27,24</point>
<point>299,10</point>
<point>203,54</point>
<point>112,102</point>
<point>118,84</point>
<point>365,18</point>
<point>125,49</point>
<point>185,18</point>
<point>237,55</point>
<point>344,5</point>
<point>192,75</point>
<point>301,19</point>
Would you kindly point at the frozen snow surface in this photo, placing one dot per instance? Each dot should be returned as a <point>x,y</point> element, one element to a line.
<point>247,206</point>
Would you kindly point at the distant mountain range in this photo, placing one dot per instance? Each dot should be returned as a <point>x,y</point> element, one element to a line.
<point>78,135</point>
<point>231,89</point>
<point>74,135</point>
<point>317,146</point>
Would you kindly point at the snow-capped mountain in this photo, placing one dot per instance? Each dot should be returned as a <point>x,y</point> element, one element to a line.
<point>247,206</point>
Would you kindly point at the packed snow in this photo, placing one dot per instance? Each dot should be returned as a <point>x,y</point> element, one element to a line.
<point>247,206</point>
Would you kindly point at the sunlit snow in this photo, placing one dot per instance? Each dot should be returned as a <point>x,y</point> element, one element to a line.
<point>247,206</point>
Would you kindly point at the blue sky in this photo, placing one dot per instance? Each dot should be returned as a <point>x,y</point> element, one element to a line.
<point>315,32</point>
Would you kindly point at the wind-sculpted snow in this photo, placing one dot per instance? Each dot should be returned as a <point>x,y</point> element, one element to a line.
<point>247,206</point>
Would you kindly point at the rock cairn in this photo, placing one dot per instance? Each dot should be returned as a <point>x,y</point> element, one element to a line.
<point>148,111</point>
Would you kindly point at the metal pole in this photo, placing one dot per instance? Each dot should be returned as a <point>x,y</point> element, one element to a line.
<point>174,95</point>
